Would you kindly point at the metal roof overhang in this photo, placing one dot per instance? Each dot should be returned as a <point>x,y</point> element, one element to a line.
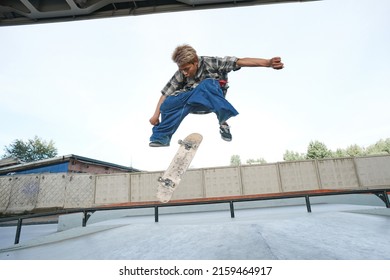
<point>19,12</point>
<point>61,159</point>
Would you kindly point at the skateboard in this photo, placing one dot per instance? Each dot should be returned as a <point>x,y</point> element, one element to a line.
<point>171,178</point>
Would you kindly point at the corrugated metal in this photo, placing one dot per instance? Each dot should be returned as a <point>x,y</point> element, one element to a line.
<point>66,164</point>
<point>55,168</point>
<point>14,12</point>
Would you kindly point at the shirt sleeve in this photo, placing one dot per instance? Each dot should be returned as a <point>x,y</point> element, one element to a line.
<point>228,63</point>
<point>174,84</point>
<point>220,64</point>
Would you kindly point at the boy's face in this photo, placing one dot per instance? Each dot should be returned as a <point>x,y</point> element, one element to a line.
<point>189,69</point>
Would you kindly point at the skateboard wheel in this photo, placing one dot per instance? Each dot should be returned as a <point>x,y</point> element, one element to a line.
<point>168,183</point>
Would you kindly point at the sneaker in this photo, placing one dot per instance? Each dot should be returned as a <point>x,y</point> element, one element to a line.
<point>224,129</point>
<point>157,144</point>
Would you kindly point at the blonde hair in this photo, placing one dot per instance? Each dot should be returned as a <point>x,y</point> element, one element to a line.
<point>184,54</point>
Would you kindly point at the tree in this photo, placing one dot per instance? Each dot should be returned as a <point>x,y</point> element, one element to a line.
<point>379,148</point>
<point>290,155</point>
<point>318,150</point>
<point>339,153</point>
<point>355,150</point>
<point>256,161</point>
<point>31,150</point>
<point>235,160</point>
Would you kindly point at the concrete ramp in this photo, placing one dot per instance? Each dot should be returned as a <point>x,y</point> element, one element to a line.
<point>330,232</point>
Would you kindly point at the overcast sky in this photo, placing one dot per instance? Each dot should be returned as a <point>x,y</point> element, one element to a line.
<point>91,86</point>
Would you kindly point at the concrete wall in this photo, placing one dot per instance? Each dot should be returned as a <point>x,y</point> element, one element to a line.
<point>19,193</point>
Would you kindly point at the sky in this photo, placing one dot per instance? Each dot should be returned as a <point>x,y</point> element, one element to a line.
<point>91,86</point>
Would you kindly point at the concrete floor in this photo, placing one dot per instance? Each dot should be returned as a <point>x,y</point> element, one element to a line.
<point>330,232</point>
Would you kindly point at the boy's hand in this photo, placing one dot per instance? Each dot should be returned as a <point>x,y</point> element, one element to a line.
<point>276,63</point>
<point>154,120</point>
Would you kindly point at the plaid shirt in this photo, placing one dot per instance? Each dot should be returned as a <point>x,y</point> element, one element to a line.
<point>208,67</point>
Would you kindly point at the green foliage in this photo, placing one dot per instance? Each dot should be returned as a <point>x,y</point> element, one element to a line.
<point>31,150</point>
<point>355,151</point>
<point>317,150</point>
<point>235,160</point>
<point>256,161</point>
<point>290,155</point>
<point>379,148</point>
<point>339,153</point>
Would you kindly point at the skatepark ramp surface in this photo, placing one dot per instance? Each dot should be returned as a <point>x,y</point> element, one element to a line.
<point>330,232</point>
<point>276,235</point>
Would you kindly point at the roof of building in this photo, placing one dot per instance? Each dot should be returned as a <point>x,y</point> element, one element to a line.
<point>20,166</point>
<point>9,162</point>
<point>31,12</point>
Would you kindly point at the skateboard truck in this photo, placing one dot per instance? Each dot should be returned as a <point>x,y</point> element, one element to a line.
<point>171,178</point>
<point>168,183</point>
<point>187,144</point>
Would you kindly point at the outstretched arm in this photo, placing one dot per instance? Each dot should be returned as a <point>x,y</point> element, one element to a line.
<point>275,62</point>
<point>155,119</point>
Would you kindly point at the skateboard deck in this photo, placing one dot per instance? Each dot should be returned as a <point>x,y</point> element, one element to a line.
<point>171,178</point>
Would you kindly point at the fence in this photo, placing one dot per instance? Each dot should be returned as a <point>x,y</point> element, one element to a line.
<point>29,193</point>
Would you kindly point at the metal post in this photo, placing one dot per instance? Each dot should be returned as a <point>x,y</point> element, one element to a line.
<point>156,214</point>
<point>386,197</point>
<point>231,209</point>
<point>87,215</point>
<point>308,203</point>
<point>18,230</point>
<point>85,218</point>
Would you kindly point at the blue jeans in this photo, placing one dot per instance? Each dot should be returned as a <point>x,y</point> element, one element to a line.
<point>207,95</point>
